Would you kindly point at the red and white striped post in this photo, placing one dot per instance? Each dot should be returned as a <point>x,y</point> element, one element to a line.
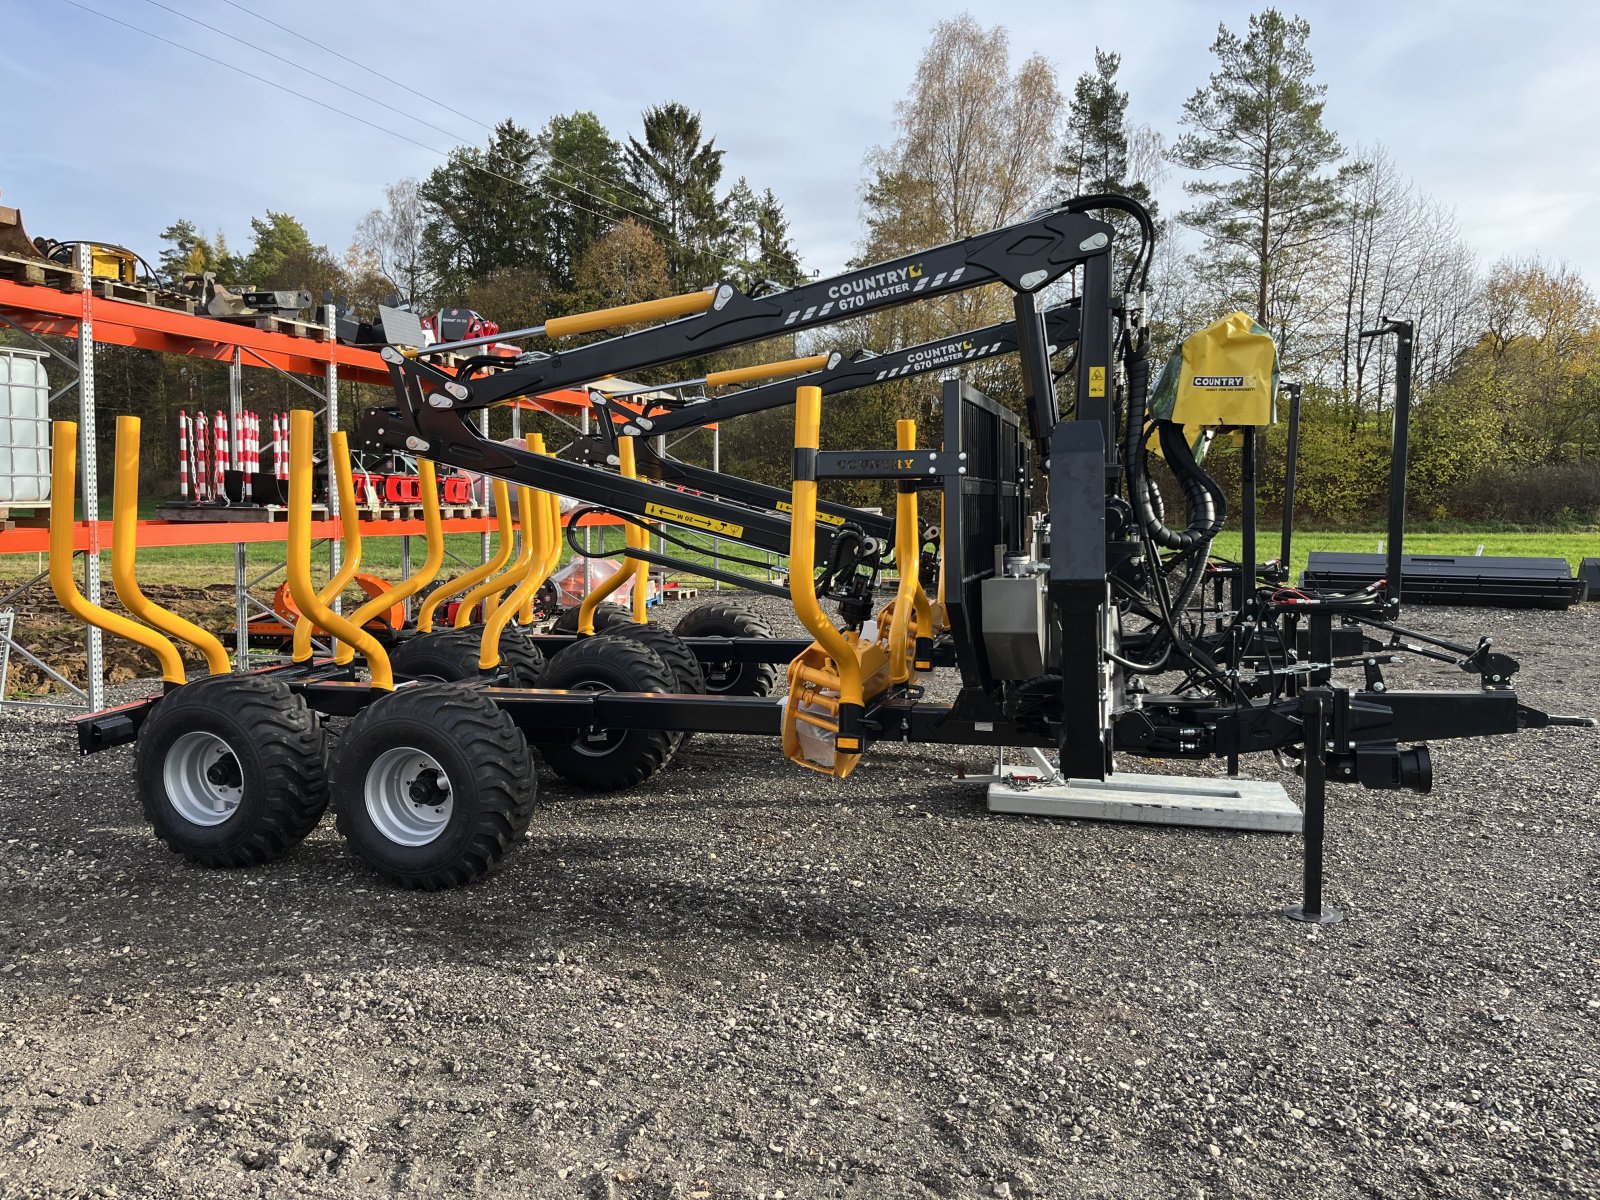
<point>202,457</point>
<point>183,454</point>
<point>220,464</point>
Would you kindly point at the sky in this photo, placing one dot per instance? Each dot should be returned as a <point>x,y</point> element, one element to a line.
<point>1490,106</point>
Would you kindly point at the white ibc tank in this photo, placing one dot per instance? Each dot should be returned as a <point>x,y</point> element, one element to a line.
<point>24,428</point>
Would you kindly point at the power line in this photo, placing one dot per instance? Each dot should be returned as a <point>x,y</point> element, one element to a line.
<point>524,184</point>
<point>382,104</point>
<point>636,195</point>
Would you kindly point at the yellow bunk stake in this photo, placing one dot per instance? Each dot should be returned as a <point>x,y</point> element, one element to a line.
<point>298,559</point>
<point>635,537</point>
<point>829,680</point>
<point>489,592</point>
<point>542,530</point>
<point>350,562</point>
<point>64,488</point>
<point>428,482</point>
<point>467,579</point>
<point>124,552</point>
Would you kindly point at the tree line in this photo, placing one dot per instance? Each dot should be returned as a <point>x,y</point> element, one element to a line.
<point>1315,238</point>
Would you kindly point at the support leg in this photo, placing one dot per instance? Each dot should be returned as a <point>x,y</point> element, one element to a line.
<point>1314,708</point>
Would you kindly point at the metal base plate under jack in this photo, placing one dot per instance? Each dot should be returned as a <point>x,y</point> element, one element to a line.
<point>1151,799</point>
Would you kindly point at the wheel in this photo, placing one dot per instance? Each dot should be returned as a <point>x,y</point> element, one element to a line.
<point>728,618</point>
<point>605,617</point>
<point>432,785</point>
<point>609,760</point>
<point>680,660</point>
<point>232,770</point>
<point>451,655</point>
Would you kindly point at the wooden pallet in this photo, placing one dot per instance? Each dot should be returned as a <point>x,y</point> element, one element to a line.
<point>110,289</point>
<point>676,594</point>
<point>272,324</point>
<point>382,512</point>
<point>40,271</point>
<point>251,513</point>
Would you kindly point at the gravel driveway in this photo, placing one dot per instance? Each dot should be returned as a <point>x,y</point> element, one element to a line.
<point>745,980</point>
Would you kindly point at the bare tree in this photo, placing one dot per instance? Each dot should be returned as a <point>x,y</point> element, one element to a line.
<point>391,240</point>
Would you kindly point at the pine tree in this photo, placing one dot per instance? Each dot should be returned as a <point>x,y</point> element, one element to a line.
<point>1094,158</point>
<point>1259,120</point>
<point>584,190</point>
<point>677,174</point>
<point>484,211</point>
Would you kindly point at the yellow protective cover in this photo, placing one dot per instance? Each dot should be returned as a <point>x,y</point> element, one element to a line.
<point>1228,375</point>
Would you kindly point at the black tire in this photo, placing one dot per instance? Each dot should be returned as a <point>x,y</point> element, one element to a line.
<point>609,760</point>
<point>680,660</point>
<point>459,745</point>
<point>451,656</point>
<point>245,743</point>
<point>729,618</point>
<point>605,617</point>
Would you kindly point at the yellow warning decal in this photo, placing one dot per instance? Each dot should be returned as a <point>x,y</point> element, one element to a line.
<point>693,520</point>
<point>1097,381</point>
<point>825,518</point>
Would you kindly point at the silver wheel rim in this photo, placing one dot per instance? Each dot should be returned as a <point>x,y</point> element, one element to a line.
<point>202,778</point>
<point>409,797</point>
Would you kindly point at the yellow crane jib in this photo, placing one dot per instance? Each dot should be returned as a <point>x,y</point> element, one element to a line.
<point>63,485</point>
<point>433,533</point>
<point>298,558</point>
<point>635,537</point>
<point>124,552</point>
<point>541,531</point>
<point>470,579</point>
<point>350,560</point>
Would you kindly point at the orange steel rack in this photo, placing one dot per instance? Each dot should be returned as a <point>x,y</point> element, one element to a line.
<point>83,319</point>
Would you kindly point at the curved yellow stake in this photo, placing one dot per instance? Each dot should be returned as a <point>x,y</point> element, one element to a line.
<point>428,483</point>
<point>488,592</point>
<point>907,556</point>
<point>545,536</point>
<point>124,552</point>
<point>350,562</point>
<point>467,579</point>
<point>803,554</point>
<point>298,559</point>
<point>64,493</point>
<point>635,537</point>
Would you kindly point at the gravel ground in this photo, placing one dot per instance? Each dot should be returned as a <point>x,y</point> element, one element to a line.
<point>744,980</point>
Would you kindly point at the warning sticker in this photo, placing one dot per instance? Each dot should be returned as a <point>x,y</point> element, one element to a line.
<point>693,520</point>
<point>1097,381</point>
<point>825,518</point>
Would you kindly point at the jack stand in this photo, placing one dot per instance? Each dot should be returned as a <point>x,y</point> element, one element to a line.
<point>1314,706</point>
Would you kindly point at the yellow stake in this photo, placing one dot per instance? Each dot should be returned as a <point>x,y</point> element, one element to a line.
<point>64,493</point>
<point>124,551</point>
<point>298,559</point>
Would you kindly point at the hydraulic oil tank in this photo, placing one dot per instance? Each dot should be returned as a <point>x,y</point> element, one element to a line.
<point>24,429</point>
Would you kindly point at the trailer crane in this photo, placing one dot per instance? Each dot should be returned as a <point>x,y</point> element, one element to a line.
<point>1056,603</point>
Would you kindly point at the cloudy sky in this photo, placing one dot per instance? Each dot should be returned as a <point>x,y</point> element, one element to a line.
<point>1491,106</point>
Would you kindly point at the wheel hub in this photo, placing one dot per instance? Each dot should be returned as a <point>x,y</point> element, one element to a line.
<point>408,796</point>
<point>203,778</point>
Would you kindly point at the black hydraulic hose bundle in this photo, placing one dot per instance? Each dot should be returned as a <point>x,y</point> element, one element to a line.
<point>1207,508</point>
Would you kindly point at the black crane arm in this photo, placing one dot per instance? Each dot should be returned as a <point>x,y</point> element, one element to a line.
<point>1026,257</point>
<point>1062,324</point>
